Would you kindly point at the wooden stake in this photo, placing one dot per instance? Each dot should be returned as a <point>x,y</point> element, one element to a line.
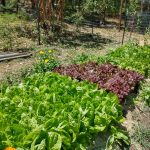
<point>38,21</point>
<point>120,14</point>
<point>125,22</point>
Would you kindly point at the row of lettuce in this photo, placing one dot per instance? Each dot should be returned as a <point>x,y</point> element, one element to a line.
<point>129,56</point>
<point>134,57</point>
<point>107,76</point>
<point>49,111</point>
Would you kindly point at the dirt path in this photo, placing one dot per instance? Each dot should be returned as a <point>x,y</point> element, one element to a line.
<point>137,124</point>
<point>11,67</point>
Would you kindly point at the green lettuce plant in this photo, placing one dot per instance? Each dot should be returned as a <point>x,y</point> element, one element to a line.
<point>50,111</point>
<point>130,56</point>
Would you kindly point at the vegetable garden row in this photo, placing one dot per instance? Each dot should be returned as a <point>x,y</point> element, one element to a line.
<point>49,111</point>
<point>107,76</point>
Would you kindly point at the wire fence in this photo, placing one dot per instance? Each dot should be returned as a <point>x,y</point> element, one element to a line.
<point>23,35</point>
<point>139,22</point>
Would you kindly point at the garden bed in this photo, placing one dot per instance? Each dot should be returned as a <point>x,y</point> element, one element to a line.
<point>53,111</point>
<point>107,76</point>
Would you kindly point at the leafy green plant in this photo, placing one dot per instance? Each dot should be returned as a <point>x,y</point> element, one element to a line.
<point>81,58</point>
<point>10,5</point>
<point>7,17</point>
<point>107,76</point>
<point>130,56</point>
<point>144,93</point>
<point>46,60</point>
<point>24,15</point>
<point>50,111</point>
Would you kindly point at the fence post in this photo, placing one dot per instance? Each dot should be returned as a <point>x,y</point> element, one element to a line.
<point>125,22</point>
<point>38,21</point>
<point>120,14</point>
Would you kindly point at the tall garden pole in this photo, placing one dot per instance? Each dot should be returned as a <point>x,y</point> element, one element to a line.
<point>125,22</point>
<point>132,25</point>
<point>17,8</point>
<point>92,21</point>
<point>38,21</point>
<point>120,14</point>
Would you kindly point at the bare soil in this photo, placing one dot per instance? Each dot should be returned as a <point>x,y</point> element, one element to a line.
<point>11,67</point>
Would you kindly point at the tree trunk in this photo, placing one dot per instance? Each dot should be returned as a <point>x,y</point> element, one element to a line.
<point>38,21</point>
<point>33,3</point>
<point>104,16</point>
<point>43,8</point>
<point>53,4</point>
<point>3,2</point>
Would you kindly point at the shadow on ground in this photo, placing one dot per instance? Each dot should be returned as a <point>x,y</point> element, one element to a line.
<point>86,40</point>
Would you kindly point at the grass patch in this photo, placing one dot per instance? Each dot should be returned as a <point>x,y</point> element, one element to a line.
<point>142,136</point>
<point>6,18</point>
